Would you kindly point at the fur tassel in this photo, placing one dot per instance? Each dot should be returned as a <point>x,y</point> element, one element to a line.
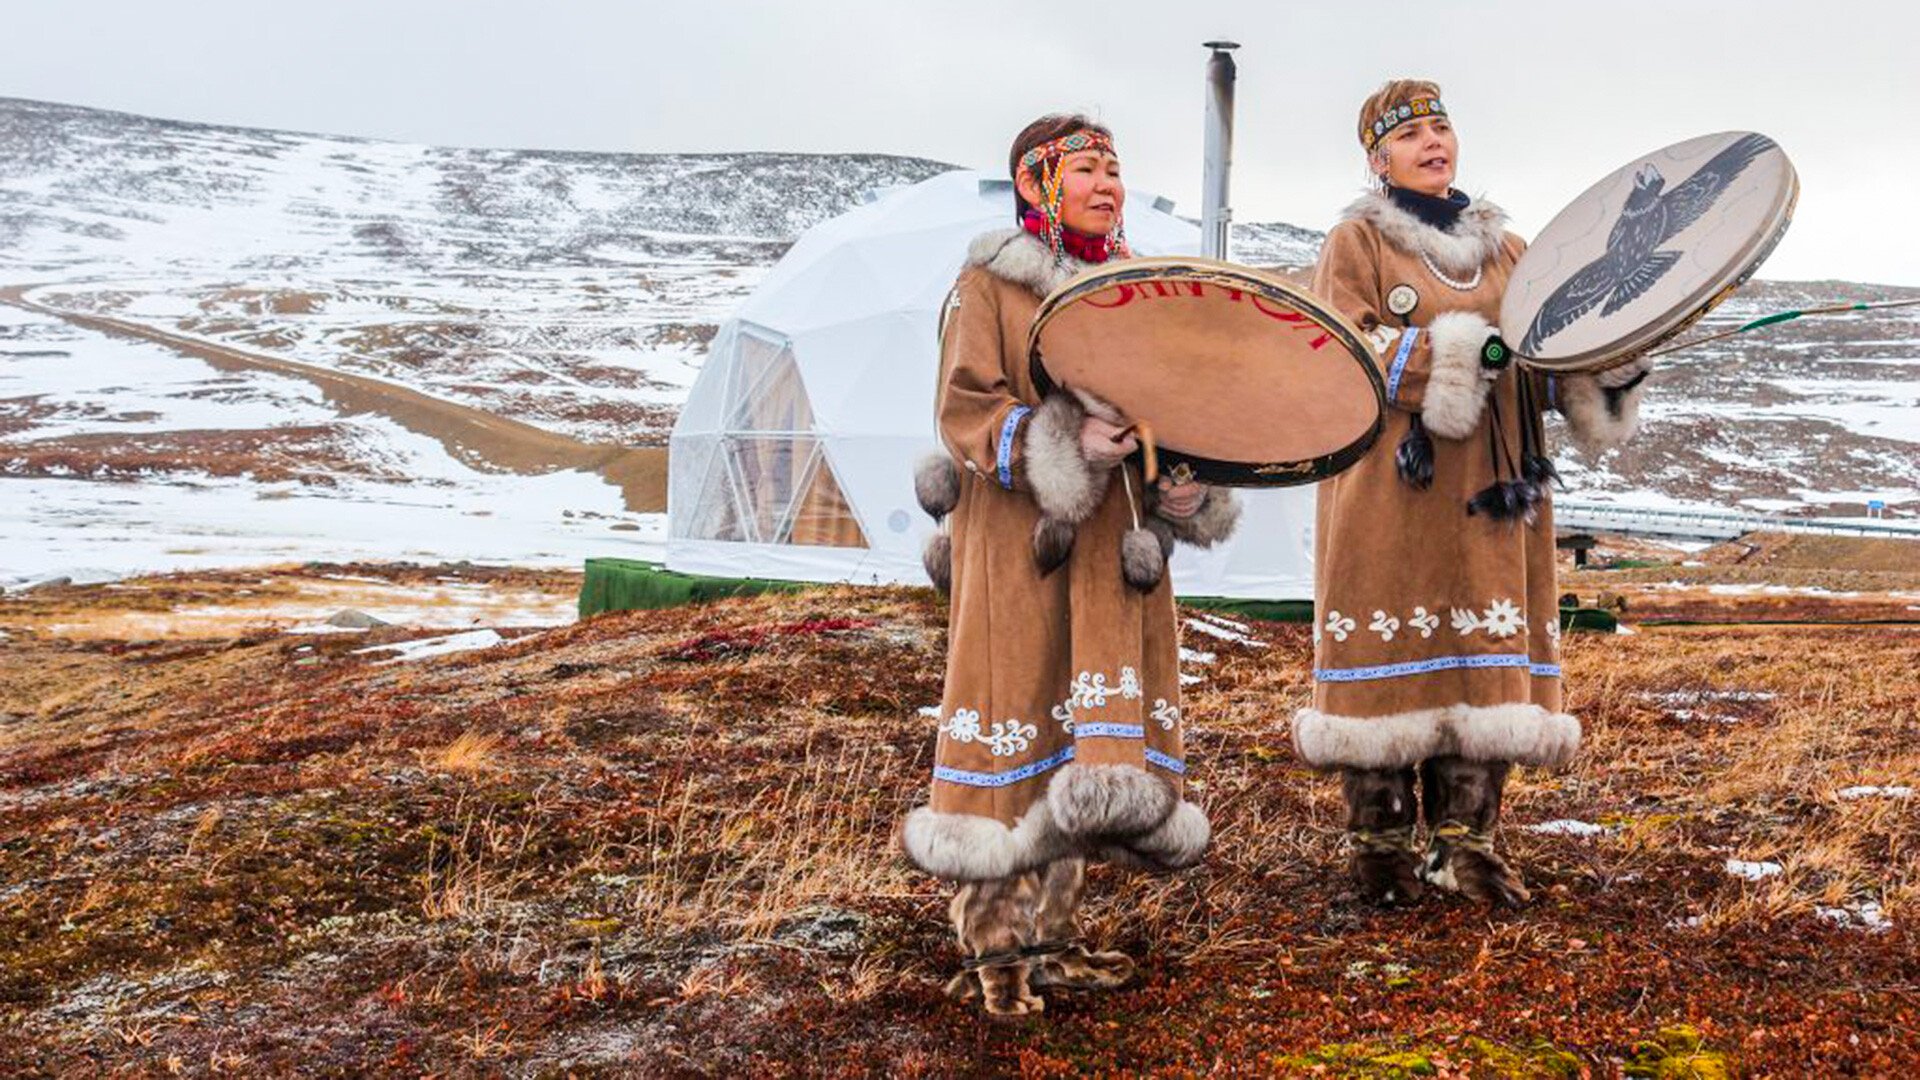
<point>1506,500</point>
<point>937,557</point>
<point>936,483</point>
<point>1414,456</point>
<point>1162,531</point>
<point>1142,562</point>
<point>1539,470</point>
<point>1052,543</point>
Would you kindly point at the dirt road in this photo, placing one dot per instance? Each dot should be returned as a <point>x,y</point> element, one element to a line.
<point>477,438</point>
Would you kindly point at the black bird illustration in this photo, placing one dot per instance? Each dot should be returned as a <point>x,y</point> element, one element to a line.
<point>1633,262</point>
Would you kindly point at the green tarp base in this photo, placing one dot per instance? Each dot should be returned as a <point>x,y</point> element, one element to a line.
<point>635,585</point>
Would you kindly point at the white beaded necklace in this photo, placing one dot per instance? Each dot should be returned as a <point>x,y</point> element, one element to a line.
<point>1468,285</point>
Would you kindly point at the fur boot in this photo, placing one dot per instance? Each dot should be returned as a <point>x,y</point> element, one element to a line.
<point>994,921</point>
<point>1381,812</point>
<point>1061,960</point>
<point>1462,810</point>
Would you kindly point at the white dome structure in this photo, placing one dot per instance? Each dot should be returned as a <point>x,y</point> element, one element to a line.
<point>793,458</point>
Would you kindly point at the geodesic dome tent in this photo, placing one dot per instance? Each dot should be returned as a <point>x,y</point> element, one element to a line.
<point>793,458</point>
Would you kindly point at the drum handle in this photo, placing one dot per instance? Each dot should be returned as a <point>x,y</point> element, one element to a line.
<point>1144,431</point>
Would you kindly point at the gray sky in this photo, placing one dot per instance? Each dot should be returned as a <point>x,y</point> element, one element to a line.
<point>1548,97</point>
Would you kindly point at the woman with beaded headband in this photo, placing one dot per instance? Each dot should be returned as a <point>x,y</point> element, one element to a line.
<point>1060,728</point>
<point>1436,640</point>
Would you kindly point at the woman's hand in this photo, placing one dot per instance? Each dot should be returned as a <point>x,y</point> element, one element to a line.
<point>1180,500</point>
<point>1104,443</point>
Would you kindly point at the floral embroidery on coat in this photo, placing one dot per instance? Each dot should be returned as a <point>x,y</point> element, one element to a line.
<point>1008,736</point>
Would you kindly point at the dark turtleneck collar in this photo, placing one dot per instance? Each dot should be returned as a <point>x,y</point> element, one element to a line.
<point>1439,211</point>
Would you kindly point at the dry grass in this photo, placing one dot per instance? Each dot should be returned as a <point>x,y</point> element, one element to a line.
<point>663,843</point>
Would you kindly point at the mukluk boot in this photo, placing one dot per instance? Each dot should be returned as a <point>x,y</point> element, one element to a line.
<point>1062,960</point>
<point>994,921</point>
<point>1381,813</point>
<point>1462,811</point>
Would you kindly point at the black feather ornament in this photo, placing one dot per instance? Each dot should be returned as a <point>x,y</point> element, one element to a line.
<point>1414,456</point>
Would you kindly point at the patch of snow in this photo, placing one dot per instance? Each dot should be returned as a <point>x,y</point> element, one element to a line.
<point>423,648</point>
<point>1863,915</point>
<point>1193,656</point>
<point>1753,871</point>
<point>1895,791</point>
<point>1226,633</point>
<point>930,711</point>
<point>1568,827</point>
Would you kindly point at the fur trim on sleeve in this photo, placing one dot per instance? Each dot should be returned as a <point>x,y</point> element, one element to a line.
<point>1067,486</point>
<point>1457,385</point>
<point>1213,522</point>
<point>1598,418</point>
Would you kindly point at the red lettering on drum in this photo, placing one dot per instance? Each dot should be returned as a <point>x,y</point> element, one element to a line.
<point>1126,294</point>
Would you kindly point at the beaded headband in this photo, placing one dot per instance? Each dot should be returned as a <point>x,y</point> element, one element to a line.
<point>1048,156</point>
<point>1417,109</point>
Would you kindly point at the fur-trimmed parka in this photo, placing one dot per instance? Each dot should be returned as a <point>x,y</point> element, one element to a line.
<point>1437,632</point>
<point>1059,730</point>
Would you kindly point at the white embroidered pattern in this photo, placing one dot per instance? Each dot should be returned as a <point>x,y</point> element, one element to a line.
<point>1424,621</point>
<point>1465,621</point>
<point>1167,715</point>
<point>1384,625</point>
<point>1008,736</point>
<point>1064,717</point>
<point>1503,619</point>
<point>1129,684</point>
<point>1553,631</point>
<point>1090,691</point>
<point>1339,625</point>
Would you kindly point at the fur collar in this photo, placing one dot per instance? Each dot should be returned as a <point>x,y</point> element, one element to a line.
<point>1018,256</point>
<point>1474,239</point>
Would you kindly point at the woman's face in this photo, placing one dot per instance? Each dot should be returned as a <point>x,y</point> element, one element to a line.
<point>1091,194</point>
<point>1420,155</point>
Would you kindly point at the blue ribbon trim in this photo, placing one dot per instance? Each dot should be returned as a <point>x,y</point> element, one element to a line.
<point>1004,457</point>
<point>995,780</point>
<point>1109,731</point>
<point>1167,762</point>
<point>1400,362</point>
<point>1438,663</point>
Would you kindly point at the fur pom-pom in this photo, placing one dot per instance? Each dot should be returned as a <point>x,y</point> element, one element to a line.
<point>1142,562</point>
<point>937,557</point>
<point>1163,532</point>
<point>1506,500</point>
<point>936,483</point>
<point>1052,543</point>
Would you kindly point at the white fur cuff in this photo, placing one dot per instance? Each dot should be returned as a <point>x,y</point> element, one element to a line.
<point>1213,522</point>
<point>1527,734</point>
<point>1599,419</point>
<point>1065,484</point>
<point>1456,383</point>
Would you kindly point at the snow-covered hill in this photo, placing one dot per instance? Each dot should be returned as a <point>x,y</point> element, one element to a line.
<point>575,293</point>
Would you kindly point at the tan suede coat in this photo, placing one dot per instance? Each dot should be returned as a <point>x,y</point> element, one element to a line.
<point>1436,632</point>
<point>1059,729</point>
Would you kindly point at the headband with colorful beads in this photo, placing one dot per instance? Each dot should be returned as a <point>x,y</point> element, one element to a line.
<point>1417,109</point>
<point>1048,156</point>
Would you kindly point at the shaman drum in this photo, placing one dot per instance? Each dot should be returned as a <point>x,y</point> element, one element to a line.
<point>1646,252</point>
<point>1235,377</point>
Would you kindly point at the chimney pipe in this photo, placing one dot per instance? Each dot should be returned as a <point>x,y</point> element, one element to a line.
<point>1216,217</point>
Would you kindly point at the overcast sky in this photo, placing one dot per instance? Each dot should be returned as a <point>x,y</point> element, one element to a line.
<point>1548,97</point>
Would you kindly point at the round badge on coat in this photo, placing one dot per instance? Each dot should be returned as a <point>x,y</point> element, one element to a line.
<point>1402,299</point>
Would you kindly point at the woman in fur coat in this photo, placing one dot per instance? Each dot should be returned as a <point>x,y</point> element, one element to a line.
<point>1437,634</point>
<point>1060,727</point>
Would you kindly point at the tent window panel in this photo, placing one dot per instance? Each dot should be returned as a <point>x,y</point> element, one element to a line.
<point>716,513</point>
<point>770,395</point>
<point>768,472</point>
<point>822,517</point>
